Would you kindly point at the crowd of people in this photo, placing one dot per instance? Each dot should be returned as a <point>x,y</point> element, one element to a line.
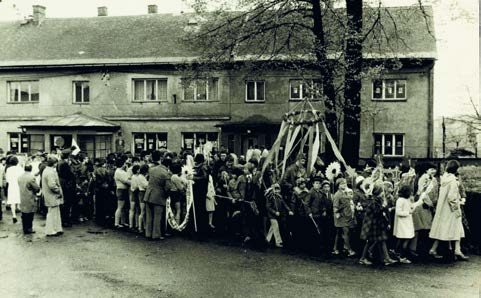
<point>374,215</point>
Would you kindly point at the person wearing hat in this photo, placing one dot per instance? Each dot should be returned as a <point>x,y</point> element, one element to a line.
<point>375,226</point>
<point>361,201</point>
<point>69,187</point>
<point>302,224</point>
<point>320,204</point>
<point>53,195</point>
<point>344,219</point>
<point>295,171</point>
<point>275,206</point>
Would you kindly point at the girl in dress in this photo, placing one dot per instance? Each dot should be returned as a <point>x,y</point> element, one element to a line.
<point>11,176</point>
<point>403,221</point>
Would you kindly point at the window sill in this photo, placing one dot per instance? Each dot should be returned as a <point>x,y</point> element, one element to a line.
<point>199,101</point>
<point>149,101</point>
<point>312,99</point>
<point>254,101</point>
<point>23,102</point>
<point>393,156</point>
<point>81,103</point>
<point>389,100</point>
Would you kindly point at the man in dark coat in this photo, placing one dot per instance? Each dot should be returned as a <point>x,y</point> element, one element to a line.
<point>28,195</point>
<point>155,197</point>
<point>69,188</point>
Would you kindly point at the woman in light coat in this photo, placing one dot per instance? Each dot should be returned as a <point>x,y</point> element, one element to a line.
<point>447,223</point>
<point>53,195</point>
<point>12,174</point>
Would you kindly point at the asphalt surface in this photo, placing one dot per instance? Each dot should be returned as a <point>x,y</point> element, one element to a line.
<point>88,261</point>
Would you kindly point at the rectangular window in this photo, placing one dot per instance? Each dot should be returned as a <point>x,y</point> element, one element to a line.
<point>95,146</point>
<point>255,91</point>
<point>150,90</point>
<point>389,144</point>
<point>311,88</point>
<point>81,92</point>
<point>24,143</point>
<point>149,141</point>
<point>192,140</point>
<point>389,89</point>
<point>201,89</point>
<point>23,91</point>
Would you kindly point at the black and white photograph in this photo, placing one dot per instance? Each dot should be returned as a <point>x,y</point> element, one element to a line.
<point>240,148</point>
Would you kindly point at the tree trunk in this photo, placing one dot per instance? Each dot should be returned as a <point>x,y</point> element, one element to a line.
<point>352,83</point>
<point>327,78</point>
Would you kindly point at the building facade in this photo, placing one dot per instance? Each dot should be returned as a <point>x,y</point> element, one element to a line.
<point>112,84</point>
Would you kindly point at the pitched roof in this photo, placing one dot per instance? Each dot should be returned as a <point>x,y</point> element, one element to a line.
<point>154,38</point>
<point>77,120</point>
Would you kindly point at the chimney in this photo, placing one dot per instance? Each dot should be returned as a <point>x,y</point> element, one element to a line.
<point>102,11</point>
<point>152,8</point>
<point>38,14</point>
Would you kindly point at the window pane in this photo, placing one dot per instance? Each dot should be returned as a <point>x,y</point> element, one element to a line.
<point>260,90</point>
<point>201,90</point>
<point>14,91</point>
<point>213,89</point>
<point>401,89</point>
<point>162,85</point>
<point>231,143</point>
<point>377,144</point>
<point>213,138</point>
<point>151,142</point>
<point>189,91</point>
<point>78,92</point>
<point>389,85</point>
<point>24,90</point>
<point>388,146</point>
<point>250,91</point>
<point>377,89</point>
<point>139,90</point>
<point>399,144</point>
<point>188,140</point>
<point>296,89</point>
<point>86,89</point>
<point>37,143</point>
<point>201,138</point>
<point>14,142</point>
<point>34,91</point>
<point>162,140</point>
<point>151,89</point>
<point>138,142</point>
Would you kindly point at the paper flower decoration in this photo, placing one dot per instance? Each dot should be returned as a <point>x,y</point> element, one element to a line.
<point>333,170</point>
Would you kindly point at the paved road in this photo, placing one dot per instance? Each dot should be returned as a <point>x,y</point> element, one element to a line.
<point>118,264</point>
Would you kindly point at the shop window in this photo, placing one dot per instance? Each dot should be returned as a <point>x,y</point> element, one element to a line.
<point>26,143</point>
<point>192,140</point>
<point>149,141</point>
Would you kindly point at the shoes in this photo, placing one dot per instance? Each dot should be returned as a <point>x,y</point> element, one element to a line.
<point>14,220</point>
<point>389,262</point>
<point>59,233</point>
<point>279,245</point>
<point>212,227</point>
<point>29,232</point>
<point>434,254</point>
<point>459,256</point>
<point>404,261</point>
<point>351,253</point>
<point>365,261</point>
<point>162,238</point>
<point>335,252</point>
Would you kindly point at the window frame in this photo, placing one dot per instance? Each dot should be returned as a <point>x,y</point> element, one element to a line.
<point>255,100</point>
<point>208,82</point>
<point>144,137</point>
<point>17,90</point>
<point>195,137</point>
<point>383,90</point>
<point>20,137</point>
<point>74,93</point>
<point>394,137</point>
<point>157,99</point>
<point>310,81</point>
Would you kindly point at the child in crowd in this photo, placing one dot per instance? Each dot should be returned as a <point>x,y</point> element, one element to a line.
<point>178,192</point>
<point>142,183</point>
<point>375,226</point>
<point>275,206</point>
<point>134,196</point>
<point>403,221</point>
<point>343,216</point>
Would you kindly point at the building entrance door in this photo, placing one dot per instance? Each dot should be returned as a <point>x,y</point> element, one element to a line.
<point>248,141</point>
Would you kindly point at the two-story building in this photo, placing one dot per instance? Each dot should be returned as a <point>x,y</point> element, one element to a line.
<point>113,83</point>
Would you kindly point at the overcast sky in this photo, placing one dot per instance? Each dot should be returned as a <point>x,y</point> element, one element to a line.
<point>456,74</point>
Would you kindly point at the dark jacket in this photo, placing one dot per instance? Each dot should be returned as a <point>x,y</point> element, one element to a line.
<point>275,203</point>
<point>28,192</point>
<point>159,185</point>
<point>320,203</point>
